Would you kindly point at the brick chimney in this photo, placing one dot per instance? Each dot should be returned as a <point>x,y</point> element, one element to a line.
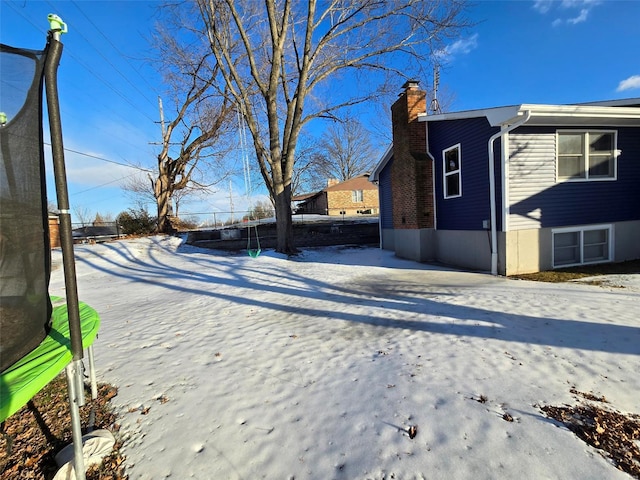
<point>332,181</point>
<point>411,171</point>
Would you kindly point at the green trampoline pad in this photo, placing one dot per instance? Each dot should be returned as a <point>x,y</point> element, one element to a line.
<point>25,378</point>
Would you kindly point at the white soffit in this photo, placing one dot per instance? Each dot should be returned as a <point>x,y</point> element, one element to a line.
<point>568,115</point>
<point>556,115</point>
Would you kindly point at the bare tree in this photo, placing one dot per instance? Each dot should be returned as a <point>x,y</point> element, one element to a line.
<point>305,178</point>
<point>140,188</point>
<point>82,214</point>
<point>180,197</point>
<point>194,136</point>
<point>102,219</point>
<point>259,210</point>
<point>281,59</point>
<point>381,129</point>
<point>344,151</point>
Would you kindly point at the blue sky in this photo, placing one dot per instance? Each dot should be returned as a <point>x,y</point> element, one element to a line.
<point>546,52</point>
<point>539,51</point>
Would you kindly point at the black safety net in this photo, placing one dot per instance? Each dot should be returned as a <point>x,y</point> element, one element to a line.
<point>25,262</point>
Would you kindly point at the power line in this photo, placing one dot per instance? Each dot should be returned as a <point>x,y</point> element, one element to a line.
<point>106,59</point>
<point>44,32</point>
<point>103,184</point>
<point>69,149</point>
<point>101,79</point>
<point>103,159</point>
<point>124,57</point>
<point>114,89</point>
<point>15,9</point>
<point>81,63</point>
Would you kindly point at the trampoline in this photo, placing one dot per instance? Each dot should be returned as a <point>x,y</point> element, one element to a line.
<point>39,335</point>
<point>24,379</point>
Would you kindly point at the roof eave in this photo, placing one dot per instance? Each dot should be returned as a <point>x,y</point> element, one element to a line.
<point>495,116</point>
<point>582,115</point>
<point>549,115</point>
<point>388,154</point>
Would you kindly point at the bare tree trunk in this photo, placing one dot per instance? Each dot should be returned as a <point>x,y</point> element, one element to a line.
<point>163,197</point>
<point>272,55</point>
<point>284,223</point>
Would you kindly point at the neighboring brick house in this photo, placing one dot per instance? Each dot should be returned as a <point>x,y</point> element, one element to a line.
<point>356,196</point>
<point>512,189</point>
<point>54,231</point>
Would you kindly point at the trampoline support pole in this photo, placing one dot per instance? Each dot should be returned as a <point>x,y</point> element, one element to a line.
<point>92,374</point>
<point>74,371</point>
<point>60,174</point>
<point>75,381</point>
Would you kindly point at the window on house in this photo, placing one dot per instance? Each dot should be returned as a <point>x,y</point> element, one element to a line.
<point>580,246</point>
<point>452,183</point>
<point>586,155</point>
<point>356,196</point>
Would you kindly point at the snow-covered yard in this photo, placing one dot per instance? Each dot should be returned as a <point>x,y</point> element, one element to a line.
<point>230,367</point>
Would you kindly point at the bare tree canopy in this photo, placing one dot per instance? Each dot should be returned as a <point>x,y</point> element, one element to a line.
<point>141,190</point>
<point>192,144</point>
<point>344,151</point>
<point>259,210</point>
<point>305,177</point>
<point>281,61</point>
<point>82,214</point>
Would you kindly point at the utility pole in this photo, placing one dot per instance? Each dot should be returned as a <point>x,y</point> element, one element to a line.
<point>161,117</point>
<point>163,128</point>
<point>165,141</point>
<point>231,200</point>
<point>435,106</point>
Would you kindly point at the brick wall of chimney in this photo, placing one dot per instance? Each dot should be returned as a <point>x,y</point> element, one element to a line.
<point>411,172</point>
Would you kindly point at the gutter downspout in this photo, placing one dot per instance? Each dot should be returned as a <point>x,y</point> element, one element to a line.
<point>377,183</point>
<point>492,188</point>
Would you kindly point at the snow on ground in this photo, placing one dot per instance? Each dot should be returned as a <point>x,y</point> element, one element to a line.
<point>230,367</point>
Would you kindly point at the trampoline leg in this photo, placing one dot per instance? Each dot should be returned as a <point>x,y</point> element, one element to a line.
<point>92,374</point>
<point>74,371</point>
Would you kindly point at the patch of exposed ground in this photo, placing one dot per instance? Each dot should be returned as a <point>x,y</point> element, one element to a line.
<point>615,433</point>
<point>583,271</point>
<point>30,438</point>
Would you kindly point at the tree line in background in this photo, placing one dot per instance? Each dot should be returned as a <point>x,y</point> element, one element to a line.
<point>138,220</point>
<point>134,221</point>
<point>273,68</point>
<point>344,151</point>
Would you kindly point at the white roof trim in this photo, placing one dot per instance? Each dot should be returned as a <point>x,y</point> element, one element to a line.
<point>614,113</point>
<point>497,114</point>
<point>374,177</point>
<point>548,115</point>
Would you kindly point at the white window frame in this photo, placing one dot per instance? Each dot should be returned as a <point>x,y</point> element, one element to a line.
<point>585,156</point>
<point>446,174</point>
<point>355,194</point>
<point>580,231</point>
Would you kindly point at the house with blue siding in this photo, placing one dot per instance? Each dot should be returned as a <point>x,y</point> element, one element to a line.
<point>514,189</point>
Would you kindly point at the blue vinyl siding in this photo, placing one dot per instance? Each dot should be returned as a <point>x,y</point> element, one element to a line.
<point>386,197</point>
<point>468,211</point>
<point>582,203</point>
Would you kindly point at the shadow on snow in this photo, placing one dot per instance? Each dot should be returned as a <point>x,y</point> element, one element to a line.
<point>408,293</point>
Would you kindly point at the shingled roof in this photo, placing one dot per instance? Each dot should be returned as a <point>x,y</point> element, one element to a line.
<point>357,183</point>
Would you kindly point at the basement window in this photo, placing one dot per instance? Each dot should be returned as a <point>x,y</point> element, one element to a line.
<point>452,176</point>
<point>580,246</point>
<point>584,156</point>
